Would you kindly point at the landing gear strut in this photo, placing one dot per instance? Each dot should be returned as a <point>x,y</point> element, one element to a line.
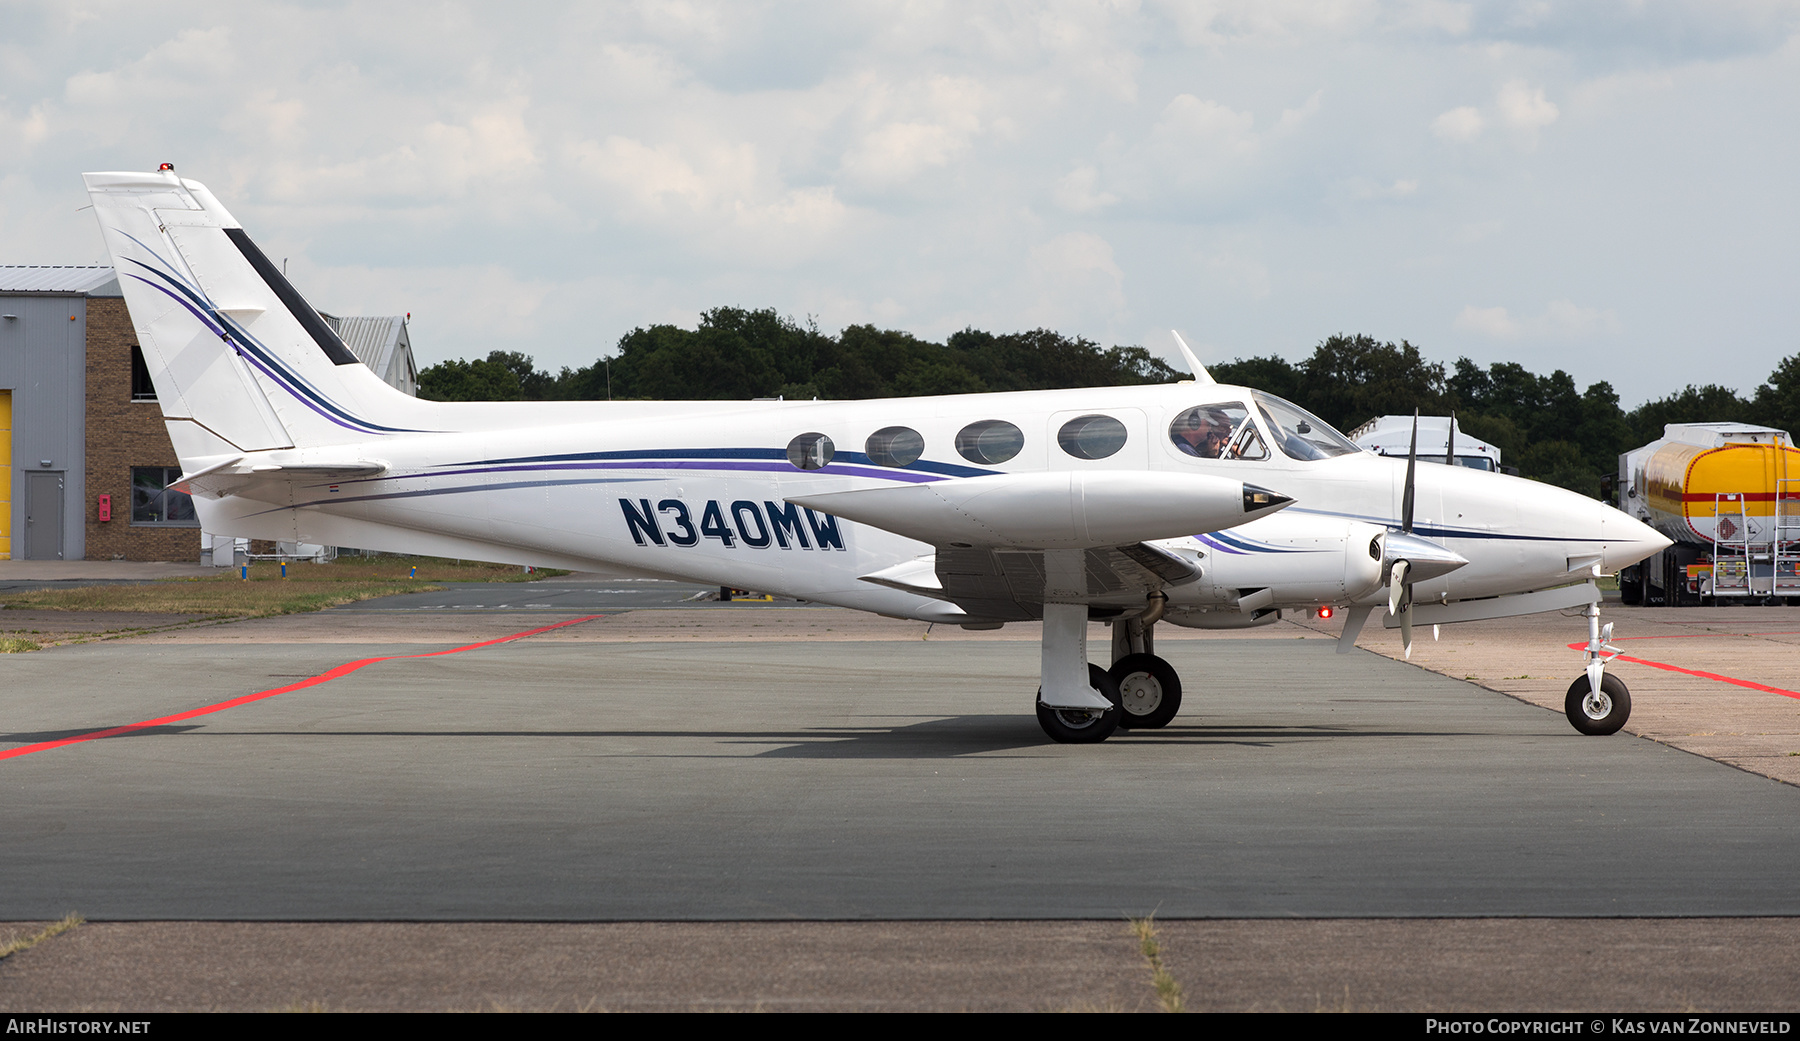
<point>1598,703</point>
<point>1149,687</point>
<point>1139,692</point>
<point>1078,703</point>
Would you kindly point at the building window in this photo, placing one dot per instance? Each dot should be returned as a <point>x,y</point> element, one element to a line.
<point>153,502</point>
<point>142,389</point>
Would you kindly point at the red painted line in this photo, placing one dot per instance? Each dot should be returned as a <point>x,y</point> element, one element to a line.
<point>1690,636</point>
<point>324,677</point>
<point>1665,666</point>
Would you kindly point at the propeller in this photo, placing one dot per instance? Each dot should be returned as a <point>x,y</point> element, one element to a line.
<point>1407,558</point>
<point>1449,460</point>
<point>1400,591</point>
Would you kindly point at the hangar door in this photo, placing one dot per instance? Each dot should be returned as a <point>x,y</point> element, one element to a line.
<point>5,475</point>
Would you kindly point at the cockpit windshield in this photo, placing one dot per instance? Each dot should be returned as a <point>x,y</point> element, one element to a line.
<point>1298,433</point>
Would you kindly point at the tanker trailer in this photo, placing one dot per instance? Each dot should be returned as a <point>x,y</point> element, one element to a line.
<point>1728,494</point>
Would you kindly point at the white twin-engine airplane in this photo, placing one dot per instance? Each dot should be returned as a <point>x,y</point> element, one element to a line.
<point>1198,504</point>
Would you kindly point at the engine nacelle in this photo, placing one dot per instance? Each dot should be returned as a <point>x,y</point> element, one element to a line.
<point>1301,560</point>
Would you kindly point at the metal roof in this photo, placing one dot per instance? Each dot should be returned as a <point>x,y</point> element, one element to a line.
<point>382,343</point>
<point>85,279</point>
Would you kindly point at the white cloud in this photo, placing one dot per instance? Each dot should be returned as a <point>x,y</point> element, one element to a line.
<point>1492,322</point>
<point>1093,165</point>
<point>1560,320</point>
<point>912,128</point>
<point>1459,124</point>
<point>1073,273</point>
<point>720,197</point>
<point>1524,108</point>
<point>1077,191</point>
<point>1204,127</point>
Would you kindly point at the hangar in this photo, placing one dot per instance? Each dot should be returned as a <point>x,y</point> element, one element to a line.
<point>85,463</point>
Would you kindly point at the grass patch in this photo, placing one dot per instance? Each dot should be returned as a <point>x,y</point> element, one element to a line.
<point>14,945</point>
<point>307,587</point>
<point>214,598</point>
<point>1168,989</point>
<point>16,645</point>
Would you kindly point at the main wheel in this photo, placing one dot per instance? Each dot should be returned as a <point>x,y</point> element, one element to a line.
<point>1080,726</point>
<point>1598,714</point>
<point>1149,691</point>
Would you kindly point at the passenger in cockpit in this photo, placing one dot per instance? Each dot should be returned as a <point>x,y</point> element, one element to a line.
<point>1201,432</point>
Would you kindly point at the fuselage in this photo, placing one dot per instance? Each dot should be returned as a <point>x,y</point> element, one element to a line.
<point>698,491</point>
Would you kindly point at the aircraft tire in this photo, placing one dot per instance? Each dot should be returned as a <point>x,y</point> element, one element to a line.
<point>1075,727</point>
<point>1149,691</point>
<point>1614,709</point>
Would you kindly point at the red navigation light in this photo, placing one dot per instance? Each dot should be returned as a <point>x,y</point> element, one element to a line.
<point>167,166</point>
<point>1326,612</point>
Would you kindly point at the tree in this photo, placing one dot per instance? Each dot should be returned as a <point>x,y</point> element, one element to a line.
<point>479,380</point>
<point>1350,380</point>
<point>1271,375</point>
<point>1709,404</point>
<point>1777,402</point>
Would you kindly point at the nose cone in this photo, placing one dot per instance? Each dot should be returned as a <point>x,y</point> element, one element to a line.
<point>1629,540</point>
<point>1260,502</point>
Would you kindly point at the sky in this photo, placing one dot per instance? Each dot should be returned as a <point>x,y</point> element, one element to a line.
<point>1607,187</point>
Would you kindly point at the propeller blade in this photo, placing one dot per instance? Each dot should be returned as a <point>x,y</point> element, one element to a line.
<point>1450,442</point>
<point>1412,461</point>
<point>1406,631</point>
<point>1434,634</point>
<point>1398,588</point>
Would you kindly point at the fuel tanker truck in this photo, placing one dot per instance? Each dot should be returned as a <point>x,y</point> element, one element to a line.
<point>1728,494</point>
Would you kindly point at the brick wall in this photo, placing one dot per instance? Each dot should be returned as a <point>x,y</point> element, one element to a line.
<point>121,434</point>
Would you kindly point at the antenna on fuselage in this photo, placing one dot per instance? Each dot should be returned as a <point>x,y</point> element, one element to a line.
<point>1194,366</point>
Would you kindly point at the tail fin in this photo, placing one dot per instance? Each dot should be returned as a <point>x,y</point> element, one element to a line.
<point>230,345</point>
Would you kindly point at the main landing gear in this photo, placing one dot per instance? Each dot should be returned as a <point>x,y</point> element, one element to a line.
<point>1140,692</point>
<point>1598,702</point>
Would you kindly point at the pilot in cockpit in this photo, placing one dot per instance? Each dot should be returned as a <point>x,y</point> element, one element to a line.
<point>1201,432</point>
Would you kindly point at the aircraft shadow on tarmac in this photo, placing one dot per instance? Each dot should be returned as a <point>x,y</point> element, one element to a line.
<point>933,738</point>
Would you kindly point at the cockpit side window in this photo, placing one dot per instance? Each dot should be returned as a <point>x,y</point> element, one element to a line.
<point>1298,433</point>
<point>1223,431</point>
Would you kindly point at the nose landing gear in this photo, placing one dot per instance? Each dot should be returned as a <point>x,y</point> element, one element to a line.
<point>1598,703</point>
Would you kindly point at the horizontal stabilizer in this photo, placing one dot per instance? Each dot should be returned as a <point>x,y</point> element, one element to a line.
<point>1053,510</point>
<point>238,474</point>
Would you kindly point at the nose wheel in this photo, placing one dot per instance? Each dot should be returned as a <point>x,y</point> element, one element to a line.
<point>1598,712</point>
<point>1598,703</point>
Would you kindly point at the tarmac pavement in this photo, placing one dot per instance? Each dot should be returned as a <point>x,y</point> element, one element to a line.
<point>822,790</point>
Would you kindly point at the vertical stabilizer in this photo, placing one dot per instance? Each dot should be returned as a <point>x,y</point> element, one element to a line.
<point>230,345</point>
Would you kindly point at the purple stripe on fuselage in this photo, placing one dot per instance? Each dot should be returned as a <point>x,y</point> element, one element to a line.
<point>833,470</point>
<point>1220,546</point>
<point>464,490</point>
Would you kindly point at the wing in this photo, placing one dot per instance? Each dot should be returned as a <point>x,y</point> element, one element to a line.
<point>994,536</point>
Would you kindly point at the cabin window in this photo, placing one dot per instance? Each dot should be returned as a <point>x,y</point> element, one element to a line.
<point>1091,437</point>
<point>895,446</point>
<point>153,502</point>
<point>989,441</point>
<point>810,451</point>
